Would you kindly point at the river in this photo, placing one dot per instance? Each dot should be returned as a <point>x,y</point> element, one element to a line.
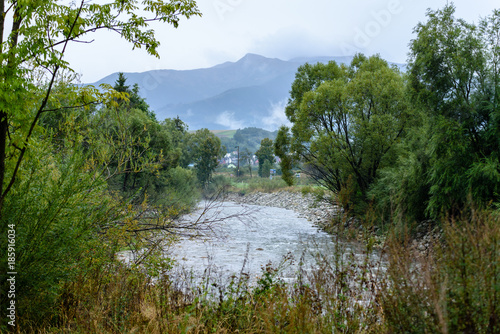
<point>247,237</point>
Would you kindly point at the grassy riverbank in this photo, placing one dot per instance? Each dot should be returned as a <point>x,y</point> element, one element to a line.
<point>246,184</point>
<point>453,288</point>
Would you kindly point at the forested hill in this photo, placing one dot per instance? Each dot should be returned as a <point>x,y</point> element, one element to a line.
<point>251,92</point>
<point>247,138</point>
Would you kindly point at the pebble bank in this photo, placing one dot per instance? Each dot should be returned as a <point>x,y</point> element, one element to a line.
<point>319,212</point>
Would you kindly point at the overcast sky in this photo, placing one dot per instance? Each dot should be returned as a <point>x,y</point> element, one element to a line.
<point>284,29</point>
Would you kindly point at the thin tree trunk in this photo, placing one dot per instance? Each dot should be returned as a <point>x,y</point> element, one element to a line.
<point>2,23</point>
<point>4,121</point>
<point>3,115</point>
<point>3,145</point>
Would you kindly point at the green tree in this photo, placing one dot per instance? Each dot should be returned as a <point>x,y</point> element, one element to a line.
<point>266,168</point>
<point>265,153</point>
<point>132,98</point>
<point>453,71</point>
<point>282,149</point>
<point>346,120</point>
<point>142,138</point>
<point>180,137</point>
<point>56,196</point>
<point>206,148</point>
<point>35,46</point>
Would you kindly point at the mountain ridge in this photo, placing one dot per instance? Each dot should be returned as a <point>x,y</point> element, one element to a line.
<point>244,93</point>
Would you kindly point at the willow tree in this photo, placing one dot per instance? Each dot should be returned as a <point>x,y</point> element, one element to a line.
<point>345,121</point>
<point>454,76</point>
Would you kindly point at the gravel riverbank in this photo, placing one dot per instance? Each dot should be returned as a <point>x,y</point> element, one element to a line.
<point>320,213</point>
<point>307,206</point>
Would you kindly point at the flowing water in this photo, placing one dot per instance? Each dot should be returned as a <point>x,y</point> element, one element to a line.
<point>247,237</point>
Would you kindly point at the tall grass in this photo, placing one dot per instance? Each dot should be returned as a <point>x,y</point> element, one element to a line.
<point>452,285</point>
<point>334,295</point>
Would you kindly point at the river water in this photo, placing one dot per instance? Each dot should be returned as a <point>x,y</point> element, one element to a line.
<point>247,237</point>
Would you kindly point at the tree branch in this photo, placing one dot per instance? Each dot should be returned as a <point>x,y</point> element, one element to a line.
<point>39,112</point>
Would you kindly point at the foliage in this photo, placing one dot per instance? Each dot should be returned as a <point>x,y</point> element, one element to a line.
<point>133,99</point>
<point>282,149</point>
<point>266,169</point>
<point>401,191</point>
<point>448,72</point>
<point>265,154</point>
<point>206,150</point>
<point>452,153</point>
<point>180,138</point>
<point>56,207</point>
<point>247,138</point>
<point>346,121</point>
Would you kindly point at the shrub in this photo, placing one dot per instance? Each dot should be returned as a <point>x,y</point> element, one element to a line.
<point>451,288</point>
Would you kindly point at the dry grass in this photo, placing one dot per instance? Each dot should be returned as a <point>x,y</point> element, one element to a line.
<point>452,287</point>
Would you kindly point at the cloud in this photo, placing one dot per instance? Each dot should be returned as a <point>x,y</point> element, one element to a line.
<point>291,42</point>
<point>228,120</point>
<point>276,116</point>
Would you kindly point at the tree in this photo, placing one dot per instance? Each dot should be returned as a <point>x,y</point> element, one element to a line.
<point>145,139</point>
<point>453,71</point>
<point>265,153</point>
<point>346,120</point>
<point>266,168</point>
<point>206,150</point>
<point>180,137</point>
<point>246,158</point>
<point>132,100</point>
<point>35,46</point>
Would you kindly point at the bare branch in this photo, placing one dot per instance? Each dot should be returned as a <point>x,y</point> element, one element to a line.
<point>73,107</point>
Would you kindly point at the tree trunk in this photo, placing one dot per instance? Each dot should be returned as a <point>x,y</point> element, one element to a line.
<point>3,145</point>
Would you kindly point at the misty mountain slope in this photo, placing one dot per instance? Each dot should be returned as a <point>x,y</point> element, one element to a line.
<point>236,108</point>
<point>164,87</point>
<point>249,92</point>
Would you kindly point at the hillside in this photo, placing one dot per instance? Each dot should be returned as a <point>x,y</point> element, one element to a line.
<point>247,138</point>
<point>250,92</point>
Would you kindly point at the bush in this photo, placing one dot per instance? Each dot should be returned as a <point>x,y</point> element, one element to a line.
<point>218,184</point>
<point>266,185</point>
<point>453,287</point>
<point>57,209</point>
<point>177,189</point>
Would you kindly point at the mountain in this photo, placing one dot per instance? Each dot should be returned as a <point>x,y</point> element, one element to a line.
<point>250,92</point>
